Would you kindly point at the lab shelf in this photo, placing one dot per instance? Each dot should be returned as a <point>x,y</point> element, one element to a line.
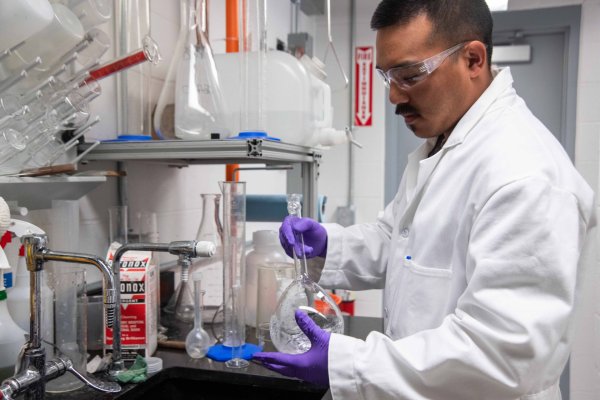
<point>203,151</point>
<point>248,151</point>
<point>38,193</point>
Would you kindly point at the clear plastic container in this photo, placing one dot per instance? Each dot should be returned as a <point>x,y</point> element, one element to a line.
<point>20,20</point>
<point>267,251</point>
<point>301,114</point>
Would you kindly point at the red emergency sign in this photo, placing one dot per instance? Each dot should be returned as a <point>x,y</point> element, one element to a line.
<point>363,89</point>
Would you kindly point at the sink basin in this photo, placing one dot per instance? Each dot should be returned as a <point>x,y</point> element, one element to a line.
<point>187,383</point>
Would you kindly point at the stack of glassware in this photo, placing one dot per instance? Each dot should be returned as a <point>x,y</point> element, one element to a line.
<point>47,78</point>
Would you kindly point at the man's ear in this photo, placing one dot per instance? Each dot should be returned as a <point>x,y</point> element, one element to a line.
<point>476,54</point>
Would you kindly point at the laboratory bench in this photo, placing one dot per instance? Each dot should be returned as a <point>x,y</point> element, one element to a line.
<point>200,379</point>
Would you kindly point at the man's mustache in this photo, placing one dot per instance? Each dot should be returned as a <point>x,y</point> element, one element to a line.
<point>403,109</point>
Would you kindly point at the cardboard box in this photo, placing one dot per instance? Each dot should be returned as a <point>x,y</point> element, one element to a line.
<point>139,296</point>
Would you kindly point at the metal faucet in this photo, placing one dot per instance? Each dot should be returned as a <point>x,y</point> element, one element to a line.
<point>189,248</point>
<point>32,371</point>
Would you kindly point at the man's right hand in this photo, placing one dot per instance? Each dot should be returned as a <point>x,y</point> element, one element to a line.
<point>315,237</point>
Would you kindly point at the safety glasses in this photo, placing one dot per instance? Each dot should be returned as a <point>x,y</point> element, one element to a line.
<point>408,76</point>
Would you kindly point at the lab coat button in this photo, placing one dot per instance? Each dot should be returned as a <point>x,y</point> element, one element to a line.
<point>404,232</point>
<point>385,312</point>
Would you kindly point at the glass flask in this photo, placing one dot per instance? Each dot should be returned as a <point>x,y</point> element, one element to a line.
<point>301,294</point>
<point>197,341</point>
<point>211,268</point>
<point>199,108</point>
<point>181,303</point>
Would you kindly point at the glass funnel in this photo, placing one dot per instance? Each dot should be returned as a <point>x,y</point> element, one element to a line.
<point>197,341</point>
<point>199,105</point>
<point>305,295</point>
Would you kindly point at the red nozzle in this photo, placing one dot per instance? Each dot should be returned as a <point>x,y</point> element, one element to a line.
<point>6,239</point>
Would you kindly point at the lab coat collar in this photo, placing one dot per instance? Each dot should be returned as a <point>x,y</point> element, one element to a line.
<point>420,167</point>
<point>502,80</point>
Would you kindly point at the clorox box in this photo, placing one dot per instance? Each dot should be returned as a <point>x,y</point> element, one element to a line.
<point>138,304</point>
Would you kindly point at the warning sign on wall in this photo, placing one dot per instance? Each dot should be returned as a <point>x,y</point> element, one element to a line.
<point>363,86</point>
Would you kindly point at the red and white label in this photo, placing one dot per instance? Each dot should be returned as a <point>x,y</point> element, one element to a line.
<point>363,100</point>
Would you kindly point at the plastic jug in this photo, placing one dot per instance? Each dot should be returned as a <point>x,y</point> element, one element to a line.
<point>267,249</point>
<point>301,114</point>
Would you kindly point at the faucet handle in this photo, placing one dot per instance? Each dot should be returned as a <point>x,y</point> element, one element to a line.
<point>94,383</point>
<point>205,249</point>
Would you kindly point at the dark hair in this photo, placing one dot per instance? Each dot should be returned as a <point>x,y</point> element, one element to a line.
<point>453,20</point>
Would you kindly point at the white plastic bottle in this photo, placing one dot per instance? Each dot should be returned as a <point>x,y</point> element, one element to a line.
<point>12,337</point>
<point>18,301</point>
<point>267,249</point>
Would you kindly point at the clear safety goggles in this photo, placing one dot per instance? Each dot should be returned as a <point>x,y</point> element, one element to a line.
<point>408,76</point>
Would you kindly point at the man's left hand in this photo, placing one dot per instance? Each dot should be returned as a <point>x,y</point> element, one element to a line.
<point>310,366</point>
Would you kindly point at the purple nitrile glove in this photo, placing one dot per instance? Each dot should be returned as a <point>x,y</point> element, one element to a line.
<point>310,366</point>
<point>315,237</point>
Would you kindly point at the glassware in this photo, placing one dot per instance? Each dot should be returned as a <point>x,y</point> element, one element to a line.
<point>70,324</point>
<point>184,303</point>
<point>253,33</point>
<point>211,268</point>
<point>91,13</point>
<point>132,32</point>
<point>197,341</point>
<point>234,254</point>
<point>301,295</point>
<point>199,105</point>
<point>64,32</point>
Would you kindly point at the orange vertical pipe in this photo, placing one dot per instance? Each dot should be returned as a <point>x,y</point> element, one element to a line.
<point>232,45</point>
<point>232,36</point>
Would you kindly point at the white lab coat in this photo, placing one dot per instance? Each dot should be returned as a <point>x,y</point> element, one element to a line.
<point>478,256</point>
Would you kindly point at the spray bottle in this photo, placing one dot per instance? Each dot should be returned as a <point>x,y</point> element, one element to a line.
<point>12,337</point>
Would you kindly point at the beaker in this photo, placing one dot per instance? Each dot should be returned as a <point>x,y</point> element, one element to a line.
<point>211,268</point>
<point>199,105</point>
<point>70,325</point>
<point>301,295</point>
<point>234,259</point>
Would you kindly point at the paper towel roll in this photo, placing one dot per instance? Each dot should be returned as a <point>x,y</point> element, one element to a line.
<point>273,207</point>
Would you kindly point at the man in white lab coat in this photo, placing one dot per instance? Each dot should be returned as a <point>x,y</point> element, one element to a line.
<point>477,253</point>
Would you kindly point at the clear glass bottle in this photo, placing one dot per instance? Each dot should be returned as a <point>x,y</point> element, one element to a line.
<point>197,341</point>
<point>199,108</point>
<point>301,295</point>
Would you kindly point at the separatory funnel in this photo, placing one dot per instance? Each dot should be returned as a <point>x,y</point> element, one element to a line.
<point>301,294</point>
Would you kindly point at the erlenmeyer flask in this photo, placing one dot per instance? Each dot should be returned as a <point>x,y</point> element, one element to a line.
<point>301,294</point>
<point>211,268</point>
<point>199,106</point>
<point>184,300</point>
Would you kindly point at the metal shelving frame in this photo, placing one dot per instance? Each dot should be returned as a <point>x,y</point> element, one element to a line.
<point>187,152</point>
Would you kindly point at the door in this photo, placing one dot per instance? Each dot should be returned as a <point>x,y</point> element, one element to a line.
<point>547,83</point>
